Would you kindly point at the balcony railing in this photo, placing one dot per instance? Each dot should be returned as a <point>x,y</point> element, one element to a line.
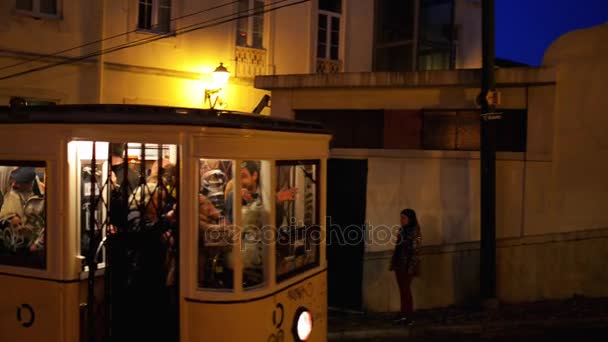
<point>250,62</point>
<point>328,66</point>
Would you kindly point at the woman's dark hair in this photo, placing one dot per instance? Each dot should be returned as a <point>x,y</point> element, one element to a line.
<point>411,215</point>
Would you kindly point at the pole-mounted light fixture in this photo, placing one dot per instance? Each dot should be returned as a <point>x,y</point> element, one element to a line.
<point>220,78</point>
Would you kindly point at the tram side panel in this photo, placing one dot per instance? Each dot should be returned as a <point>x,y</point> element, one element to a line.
<point>268,319</point>
<point>36,302</point>
<point>38,310</point>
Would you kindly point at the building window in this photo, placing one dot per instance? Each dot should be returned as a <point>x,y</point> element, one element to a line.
<point>414,35</point>
<point>328,30</point>
<point>154,15</point>
<point>394,38</point>
<point>250,28</point>
<point>38,8</point>
<point>437,37</point>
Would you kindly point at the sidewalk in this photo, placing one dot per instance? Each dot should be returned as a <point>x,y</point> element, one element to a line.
<point>508,320</point>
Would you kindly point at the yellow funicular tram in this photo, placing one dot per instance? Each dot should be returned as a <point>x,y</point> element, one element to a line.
<point>137,223</point>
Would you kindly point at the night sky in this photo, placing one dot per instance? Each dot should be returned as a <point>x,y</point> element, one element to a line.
<point>526,28</point>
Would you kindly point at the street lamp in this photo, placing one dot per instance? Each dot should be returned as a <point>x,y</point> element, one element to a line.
<point>220,78</point>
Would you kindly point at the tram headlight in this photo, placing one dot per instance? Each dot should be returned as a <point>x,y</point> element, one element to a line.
<point>302,324</point>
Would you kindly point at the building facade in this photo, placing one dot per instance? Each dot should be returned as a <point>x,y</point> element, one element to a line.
<point>411,139</point>
<point>43,45</point>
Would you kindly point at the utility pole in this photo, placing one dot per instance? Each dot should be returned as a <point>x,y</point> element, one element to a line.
<point>489,117</point>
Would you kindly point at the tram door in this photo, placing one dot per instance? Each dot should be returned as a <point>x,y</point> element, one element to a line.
<point>130,209</point>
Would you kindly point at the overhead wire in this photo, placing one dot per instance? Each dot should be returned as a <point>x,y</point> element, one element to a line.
<point>57,53</point>
<point>183,30</point>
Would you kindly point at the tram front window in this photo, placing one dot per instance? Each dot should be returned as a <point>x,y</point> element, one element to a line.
<point>297,217</point>
<point>22,214</point>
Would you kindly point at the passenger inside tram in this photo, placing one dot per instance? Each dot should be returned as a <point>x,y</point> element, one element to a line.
<point>215,234</point>
<point>254,218</point>
<point>22,216</point>
<point>156,200</point>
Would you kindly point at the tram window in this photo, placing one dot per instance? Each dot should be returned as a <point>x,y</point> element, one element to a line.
<point>215,231</point>
<point>255,232</point>
<point>23,214</point>
<point>297,217</point>
<point>125,197</point>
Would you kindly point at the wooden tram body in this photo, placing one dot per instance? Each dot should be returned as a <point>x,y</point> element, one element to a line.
<point>227,241</point>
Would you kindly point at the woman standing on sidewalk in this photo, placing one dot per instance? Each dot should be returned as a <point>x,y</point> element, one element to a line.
<point>405,262</point>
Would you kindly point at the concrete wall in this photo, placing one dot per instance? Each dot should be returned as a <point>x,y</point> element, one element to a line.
<point>580,168</point>
<point>295,39</point>
<point>539,199</point>
<point>172,71</point>
<point>563,242</point>
<point>467,16</point>
<point>552,213</point>
<point>23,38</point>
<point>175,70</point>
<point>286,100</point>
<point>359,37</point>
<point>443,188</point>
<point>549,266</point>
<point>412,90</point>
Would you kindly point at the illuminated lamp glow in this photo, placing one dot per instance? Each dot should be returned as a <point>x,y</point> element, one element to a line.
<point>302,324</point>
<point>220,76</point>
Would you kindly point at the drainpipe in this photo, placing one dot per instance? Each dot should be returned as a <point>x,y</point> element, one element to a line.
<point>488,162</point>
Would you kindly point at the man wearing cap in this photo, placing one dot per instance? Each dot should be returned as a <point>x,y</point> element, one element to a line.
<point>22,184</point>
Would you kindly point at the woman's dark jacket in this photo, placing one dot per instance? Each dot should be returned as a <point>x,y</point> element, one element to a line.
<point>405,255</point>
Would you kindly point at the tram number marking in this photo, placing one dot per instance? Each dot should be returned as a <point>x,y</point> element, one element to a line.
<point>301,291</point>
<point>21,318</point>
<point>280,308</point>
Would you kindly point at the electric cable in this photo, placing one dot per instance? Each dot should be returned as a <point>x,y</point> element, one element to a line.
<point>184,30</point>
<point>56,54</point>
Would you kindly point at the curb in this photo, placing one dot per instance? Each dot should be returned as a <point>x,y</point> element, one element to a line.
<point>411,331</point>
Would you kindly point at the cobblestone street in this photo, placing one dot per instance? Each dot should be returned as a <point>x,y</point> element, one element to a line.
<point>577,318</point>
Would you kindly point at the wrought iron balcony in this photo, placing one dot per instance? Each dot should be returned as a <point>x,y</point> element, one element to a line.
<point>328,66</point>
<point>250,62</point>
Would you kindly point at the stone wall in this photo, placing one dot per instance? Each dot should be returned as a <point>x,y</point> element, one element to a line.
<point>550,266</point>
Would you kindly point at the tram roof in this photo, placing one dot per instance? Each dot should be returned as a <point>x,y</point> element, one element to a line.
<point>150,115</point>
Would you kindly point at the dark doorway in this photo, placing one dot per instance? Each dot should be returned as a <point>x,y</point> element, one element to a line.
<point>346,198</point>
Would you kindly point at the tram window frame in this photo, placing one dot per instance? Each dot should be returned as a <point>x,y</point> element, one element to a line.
<point>243,277</point>
<point>82,155</point>
<point>39,243</point>
<point>225,229</point>
<point>102,160</point>
<point>293,230</point>
<point>259,235</point>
